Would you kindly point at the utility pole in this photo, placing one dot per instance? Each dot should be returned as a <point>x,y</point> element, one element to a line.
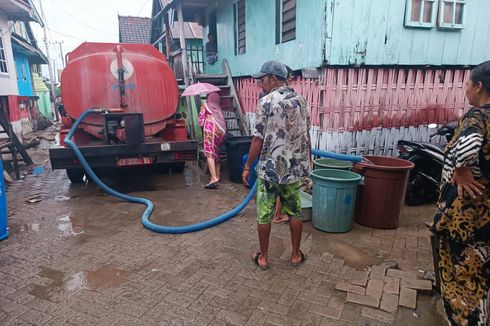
<point>45,39</point>
<point>61,51</point>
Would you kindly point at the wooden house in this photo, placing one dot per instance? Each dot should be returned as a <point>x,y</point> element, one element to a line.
<point>373,71</point>
<point>19,56</point>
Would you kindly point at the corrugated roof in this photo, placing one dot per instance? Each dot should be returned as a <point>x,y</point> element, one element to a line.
<point>39,85</point>
<point>134,29</point>
<point>191,30</point>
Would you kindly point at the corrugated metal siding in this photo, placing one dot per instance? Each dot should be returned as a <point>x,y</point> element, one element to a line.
<point>372,32</point>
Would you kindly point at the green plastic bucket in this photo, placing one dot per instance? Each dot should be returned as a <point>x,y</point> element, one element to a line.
<point>330,163</point>
<point>334,197</point>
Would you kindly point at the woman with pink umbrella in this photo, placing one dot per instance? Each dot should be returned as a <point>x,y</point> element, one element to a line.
<point>213,123</point>
<point>214,126</point>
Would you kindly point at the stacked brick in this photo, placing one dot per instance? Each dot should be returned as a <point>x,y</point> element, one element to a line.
<point>384,288</point>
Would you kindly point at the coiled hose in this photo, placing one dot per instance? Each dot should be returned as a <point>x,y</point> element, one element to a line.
<point>145,218</point>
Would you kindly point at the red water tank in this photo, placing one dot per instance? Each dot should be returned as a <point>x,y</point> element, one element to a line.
<point>128,77</point>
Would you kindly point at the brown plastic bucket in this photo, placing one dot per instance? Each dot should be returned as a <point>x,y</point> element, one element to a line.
<point>380,200</point>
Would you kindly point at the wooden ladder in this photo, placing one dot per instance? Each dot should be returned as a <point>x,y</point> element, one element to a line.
<point>236,125</point>
<point>11,145</point>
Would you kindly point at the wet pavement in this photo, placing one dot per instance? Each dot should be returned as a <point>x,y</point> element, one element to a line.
<point>78,256</point>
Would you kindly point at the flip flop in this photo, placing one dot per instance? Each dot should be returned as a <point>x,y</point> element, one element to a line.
<point>255,259</point>
<point>213,185</point>
<point>298,264</point>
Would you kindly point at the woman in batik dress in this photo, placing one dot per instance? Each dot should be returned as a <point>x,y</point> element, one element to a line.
<point>462,223</point>
<point>214,126</point>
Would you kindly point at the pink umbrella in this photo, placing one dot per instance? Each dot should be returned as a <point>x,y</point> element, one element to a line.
<point>200,88</point>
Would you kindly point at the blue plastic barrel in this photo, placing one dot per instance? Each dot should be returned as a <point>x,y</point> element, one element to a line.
<point>253,177</point>
<point>3,206</point>
<point>334,197</point>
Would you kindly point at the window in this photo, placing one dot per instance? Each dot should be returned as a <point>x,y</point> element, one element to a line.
<point>240,30</point>
<point>3,58</point>
<point>23,71</point>
<point>420,13</point>
<point>451,13</point>
<point>285,20</point>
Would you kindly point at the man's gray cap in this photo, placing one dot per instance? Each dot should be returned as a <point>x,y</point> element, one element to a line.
<point>272,67</point>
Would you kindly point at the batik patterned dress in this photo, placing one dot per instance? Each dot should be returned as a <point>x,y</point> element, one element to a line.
<point>214,127</point>
<point>463,224</point>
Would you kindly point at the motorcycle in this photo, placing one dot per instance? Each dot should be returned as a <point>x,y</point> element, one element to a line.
<point>423,182</point>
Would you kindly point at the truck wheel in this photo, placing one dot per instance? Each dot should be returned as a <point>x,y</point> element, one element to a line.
<point>177,167</point>
<point>75,175</point>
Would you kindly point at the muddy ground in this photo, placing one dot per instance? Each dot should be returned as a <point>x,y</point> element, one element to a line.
<point>78,256</point>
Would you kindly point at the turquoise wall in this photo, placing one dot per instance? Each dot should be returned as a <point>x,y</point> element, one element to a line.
<point>372,32</point>
<point>22,64</point>
<point>44,104</point>
<point>307,50</point>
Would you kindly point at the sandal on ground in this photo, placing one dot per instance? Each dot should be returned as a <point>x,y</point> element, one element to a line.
<point>213,185</point>
<point>298,264</point>
<point>255,258</point>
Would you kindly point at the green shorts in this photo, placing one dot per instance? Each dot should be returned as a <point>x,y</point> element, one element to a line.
<point>267,193</point>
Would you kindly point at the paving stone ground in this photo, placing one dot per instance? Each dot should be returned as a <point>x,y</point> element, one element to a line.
<point>81,257</point>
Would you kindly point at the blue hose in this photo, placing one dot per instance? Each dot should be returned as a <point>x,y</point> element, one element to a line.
<point>145,218</point>
<point>335,156</point>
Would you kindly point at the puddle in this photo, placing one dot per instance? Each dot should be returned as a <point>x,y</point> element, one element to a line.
<point>76,281</point>
<point>34,227</point>
<point>61,198</point>
<point>106,277</point>
<point>46,292</point>
<point>103,278</point>
<point>66,227</point>
<point>188,176</point>
<point>353,256</point>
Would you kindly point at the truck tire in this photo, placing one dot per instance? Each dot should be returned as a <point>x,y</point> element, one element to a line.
<point>75,175</point>
<point>177,167</point>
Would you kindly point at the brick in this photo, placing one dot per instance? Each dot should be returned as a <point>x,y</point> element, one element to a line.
<point>379,315</point>
<point>299,309</point>
<point>335,266</point>
<point>392,285</point>
<point>274,319</point>
<point>273,307</point>
<point>231,317</point>
<point>364,300</point>
<point>389,302</point>
<point>375,288</point>
<point>401,274</point>
<point>423,285</point>
<point>359,278</point>
<point>377,273</point>
<point>258,318</point>
<point>331,312</point>
<point>408,298</point>
<point>346,272</point>
<point>35,317</point>
<point>347,287</point>
<point>314,298</point>
<point>288,297</point>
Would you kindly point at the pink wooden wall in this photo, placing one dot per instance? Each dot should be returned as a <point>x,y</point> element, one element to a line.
<point>356,99</point>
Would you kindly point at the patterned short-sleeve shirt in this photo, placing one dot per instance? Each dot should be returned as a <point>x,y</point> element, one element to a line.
<point>283,122</point>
